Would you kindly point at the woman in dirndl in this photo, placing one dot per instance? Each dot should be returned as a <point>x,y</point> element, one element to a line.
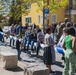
<point>47,50</point>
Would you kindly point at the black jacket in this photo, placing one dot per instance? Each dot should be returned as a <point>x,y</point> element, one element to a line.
<point>18,44</point>
<point>33,37</point>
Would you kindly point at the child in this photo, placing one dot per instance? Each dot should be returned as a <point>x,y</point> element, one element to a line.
<point>18,45</point>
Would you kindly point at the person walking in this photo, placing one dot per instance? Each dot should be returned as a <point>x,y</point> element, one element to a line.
<point>70,53</point>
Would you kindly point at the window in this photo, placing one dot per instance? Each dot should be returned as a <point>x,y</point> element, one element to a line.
<point>39,19</point>
<point>28,20</point>
<point>42,20</point>
<point>54,18</point>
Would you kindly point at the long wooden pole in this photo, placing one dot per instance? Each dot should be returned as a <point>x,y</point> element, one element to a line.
<point>48,14</point>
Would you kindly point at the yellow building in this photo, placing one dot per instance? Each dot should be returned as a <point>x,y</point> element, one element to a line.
<point>33,16</point>
<point>72,12</point>
<point>37,17</point>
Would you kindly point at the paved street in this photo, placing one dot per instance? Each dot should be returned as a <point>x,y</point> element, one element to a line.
<point>30,58</point>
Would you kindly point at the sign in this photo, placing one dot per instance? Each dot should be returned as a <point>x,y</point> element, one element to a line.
<point>46,11</point>
<point>46,16</point>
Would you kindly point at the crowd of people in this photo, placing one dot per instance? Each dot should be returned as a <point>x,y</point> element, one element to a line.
<point>62,35</point>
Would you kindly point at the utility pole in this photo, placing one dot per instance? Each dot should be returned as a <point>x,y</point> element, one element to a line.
<point>48,14</point>
<point>70,7</point>
<point>43,20</point>
<point>45,16</point>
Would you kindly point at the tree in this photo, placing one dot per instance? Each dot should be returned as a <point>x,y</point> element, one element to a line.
<point>5,6</point>
<point>1,7</point>
<point>52,5</point>
<point>20,6</point>
<point>17,8</point>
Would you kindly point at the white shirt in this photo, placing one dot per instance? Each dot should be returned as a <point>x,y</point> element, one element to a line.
<point>61,41</point>
<point>46,40</point>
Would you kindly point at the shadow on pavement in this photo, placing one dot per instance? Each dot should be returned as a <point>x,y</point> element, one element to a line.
<point>29,61</point>
<point>27,51</point>
<point>58,73</point>
<point>18,69</point>
<point>13,47</point>
<point>40,57</point>
<point>59,64</point>
<point>33,54</point>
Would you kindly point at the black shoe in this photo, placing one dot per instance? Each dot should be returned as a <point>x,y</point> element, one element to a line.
<point>36,54</point>
<point>20,59</point>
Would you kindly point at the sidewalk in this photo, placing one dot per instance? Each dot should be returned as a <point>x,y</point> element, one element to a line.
<point>26,57</point>
<point>18,71</point>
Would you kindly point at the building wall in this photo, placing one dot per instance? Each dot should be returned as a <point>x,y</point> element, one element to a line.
<point>34,15</point>
<point>60,15</point>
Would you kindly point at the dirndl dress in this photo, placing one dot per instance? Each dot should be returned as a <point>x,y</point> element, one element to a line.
<point>47,55</point>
